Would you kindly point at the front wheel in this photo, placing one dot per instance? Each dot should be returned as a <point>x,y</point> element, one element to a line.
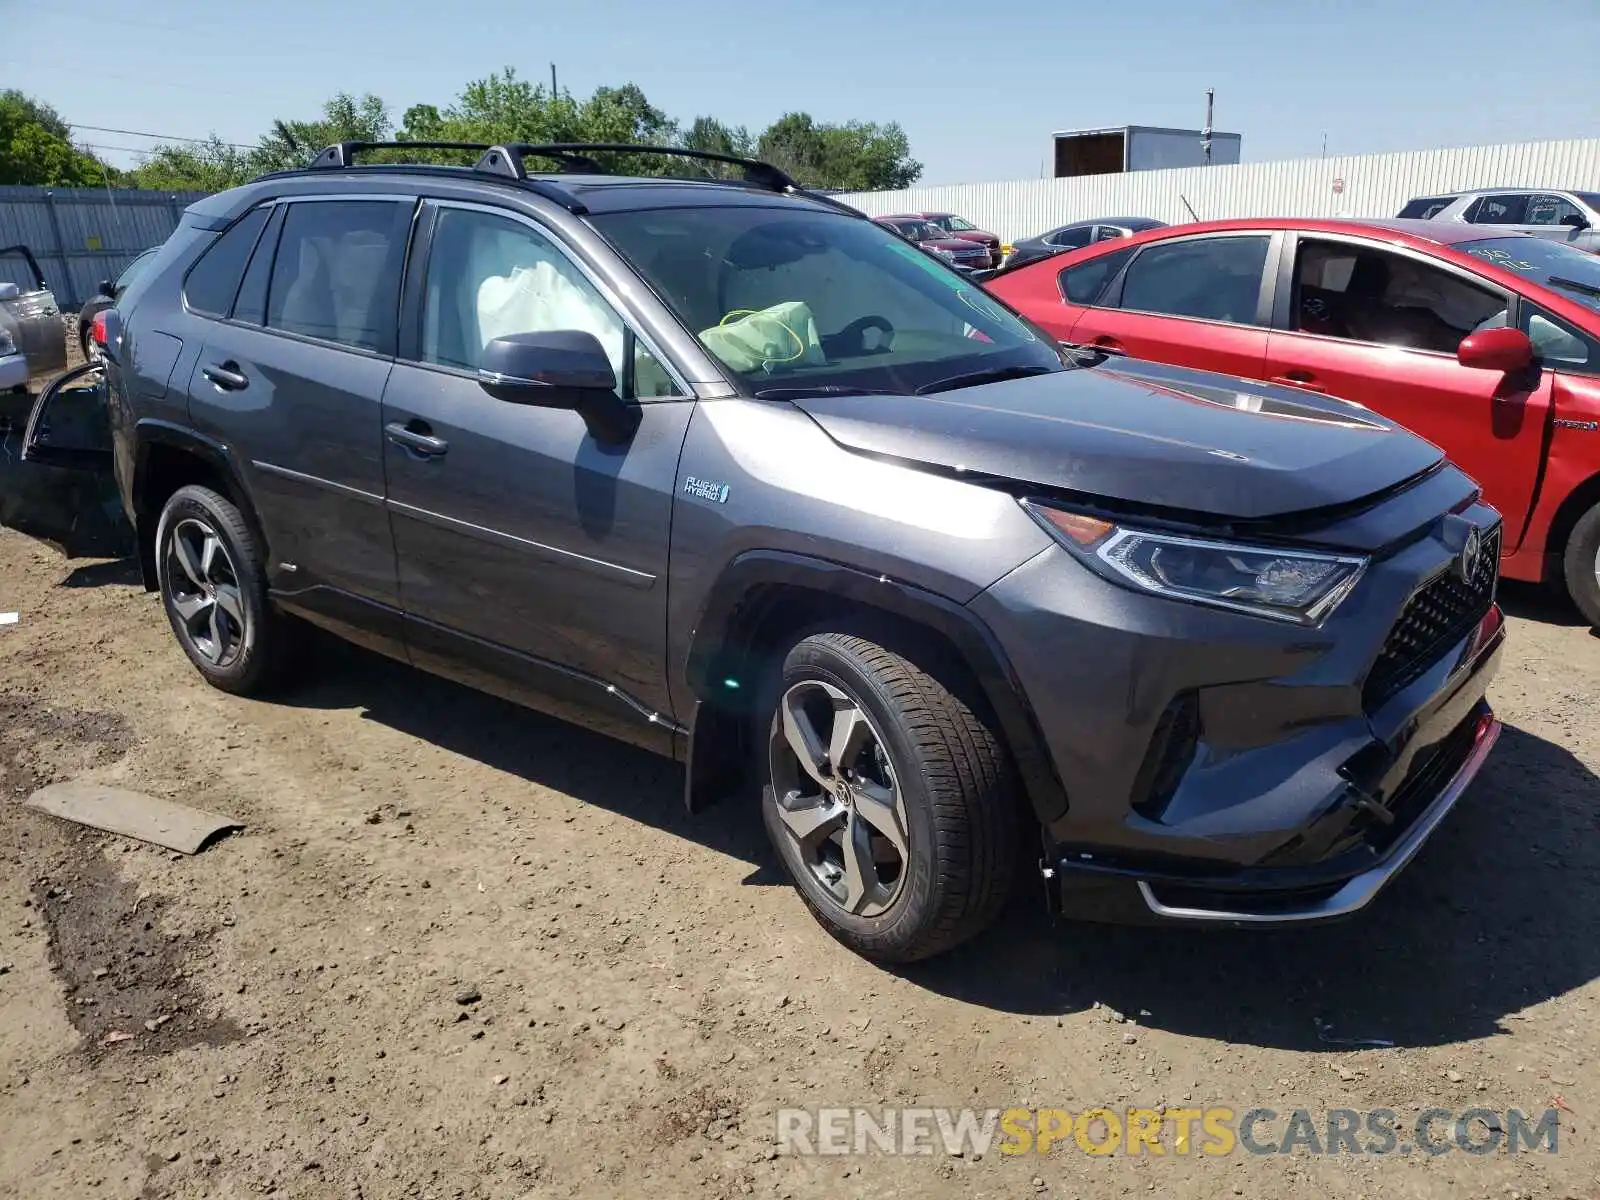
<point>889,799</point>
<point>1581,566</point>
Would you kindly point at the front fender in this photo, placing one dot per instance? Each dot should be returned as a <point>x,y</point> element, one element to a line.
<point>725,643</point>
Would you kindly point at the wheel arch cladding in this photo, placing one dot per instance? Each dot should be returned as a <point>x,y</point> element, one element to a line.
<point>1570,511</point>
<point>169,458</point>
<point>764,601</point>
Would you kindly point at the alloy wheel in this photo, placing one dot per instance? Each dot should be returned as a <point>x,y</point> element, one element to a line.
<point>203,588</point>
<point>838,798</point>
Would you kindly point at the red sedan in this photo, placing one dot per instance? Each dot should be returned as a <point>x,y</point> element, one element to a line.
<point>1489,346</point>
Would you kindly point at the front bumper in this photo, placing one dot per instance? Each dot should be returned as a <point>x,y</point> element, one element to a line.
<point>1221,768</point>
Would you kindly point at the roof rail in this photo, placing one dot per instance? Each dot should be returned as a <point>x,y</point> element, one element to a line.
<point>509,160</point>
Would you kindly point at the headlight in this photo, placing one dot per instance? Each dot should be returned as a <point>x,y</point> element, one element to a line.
<point>947,255</point>
<point>1287,585</point>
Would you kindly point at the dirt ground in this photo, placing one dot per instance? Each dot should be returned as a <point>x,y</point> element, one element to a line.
<point>462,951</point>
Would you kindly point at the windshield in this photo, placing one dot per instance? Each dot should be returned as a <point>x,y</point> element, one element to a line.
<point>788,298</point>
<point>1558,267</point>
<point>917,231</point>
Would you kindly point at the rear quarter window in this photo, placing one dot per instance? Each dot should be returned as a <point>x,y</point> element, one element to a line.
<point>213,281</point>
<point>1086,282</point>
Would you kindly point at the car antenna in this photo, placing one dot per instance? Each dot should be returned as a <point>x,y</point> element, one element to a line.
<point>1189,206</point>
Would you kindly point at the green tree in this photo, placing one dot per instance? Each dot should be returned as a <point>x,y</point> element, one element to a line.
<point>855,156</point>
<point>36,147</point>
<point>210,166</point>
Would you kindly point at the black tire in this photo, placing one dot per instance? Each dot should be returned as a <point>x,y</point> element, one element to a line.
<point>249,656</point>
<point>955,786</point>
<point>1581,566</point>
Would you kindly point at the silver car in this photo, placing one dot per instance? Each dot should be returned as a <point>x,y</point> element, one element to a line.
<point>32,339</point>
<point>1572,217</point>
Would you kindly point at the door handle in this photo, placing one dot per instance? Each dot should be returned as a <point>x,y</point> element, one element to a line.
<point>1300,379</point>
<point>226,376</point>
<point>416,437</point>
<point>1108,343</point>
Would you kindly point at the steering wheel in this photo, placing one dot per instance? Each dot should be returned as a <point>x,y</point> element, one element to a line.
<point>852,339</point>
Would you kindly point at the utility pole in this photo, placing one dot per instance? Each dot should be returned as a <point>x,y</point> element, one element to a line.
<point>553,92</point>
<point>1205,133</point>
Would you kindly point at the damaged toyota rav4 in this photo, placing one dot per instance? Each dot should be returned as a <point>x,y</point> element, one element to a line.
<point>722,468</point>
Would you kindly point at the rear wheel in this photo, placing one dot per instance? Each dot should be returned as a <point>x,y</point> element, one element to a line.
<point>1581,565</point>
<point>888,798</point>
<point>213,586</point>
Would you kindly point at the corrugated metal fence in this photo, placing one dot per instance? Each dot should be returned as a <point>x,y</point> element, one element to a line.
<point>1373,185</point>
<point>82,235</point>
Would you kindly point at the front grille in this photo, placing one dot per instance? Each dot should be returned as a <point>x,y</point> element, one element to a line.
<point>1438,616</point>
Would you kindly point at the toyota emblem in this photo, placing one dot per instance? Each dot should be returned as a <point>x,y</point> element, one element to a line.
<point>1467,560</point>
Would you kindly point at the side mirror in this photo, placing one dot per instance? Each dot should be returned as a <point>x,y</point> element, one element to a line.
<point>1500,349</point>
<point>1575,221</point>
<point>564,368</point>
<point>106,287</point>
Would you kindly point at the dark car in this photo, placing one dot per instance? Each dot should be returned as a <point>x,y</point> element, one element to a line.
<point>734,474</point>
<point>953,226</point>
<point>964,255</point>
<point>1076,236</point>
<point>1485,343</point>
<point>106,296</point>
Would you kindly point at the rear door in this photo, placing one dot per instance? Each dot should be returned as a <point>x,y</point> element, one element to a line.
<point>291,379</point>
<point>1201,301</point>
<point>1380,325</point>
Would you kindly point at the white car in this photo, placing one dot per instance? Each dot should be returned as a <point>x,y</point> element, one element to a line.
<point>13,366</point>
<point>1563,216</point>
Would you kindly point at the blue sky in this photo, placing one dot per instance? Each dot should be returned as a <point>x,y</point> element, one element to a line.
<point>978,84</point>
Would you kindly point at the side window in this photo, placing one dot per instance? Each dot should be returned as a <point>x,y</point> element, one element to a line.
<point>1082,284</point>
<point>1556,343</point>
<point>212,282</point>
<point>336,275</point>
<point>1213,279</point>
<point>251,305</point>
<point>1366,295</point>
<point>1550,210</point>
<point>1070,239</point>
<point>1107,233</point>
<point>1508,209</point>
<point>489,276</point>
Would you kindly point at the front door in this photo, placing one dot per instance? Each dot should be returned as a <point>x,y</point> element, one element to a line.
<point>1380,326</point>
<point>1195,302</point>
<point>529,551</point>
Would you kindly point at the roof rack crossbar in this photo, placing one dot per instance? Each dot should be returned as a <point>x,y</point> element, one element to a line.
<point>756,172</point>
<point>343,154</point>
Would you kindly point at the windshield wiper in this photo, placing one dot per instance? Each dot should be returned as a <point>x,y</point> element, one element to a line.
<point>823,389</point>
<point>1587,288</point>
<point>991,375</point>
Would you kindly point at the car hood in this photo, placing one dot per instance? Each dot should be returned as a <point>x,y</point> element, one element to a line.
<point>1141,433</point>
<point>977,235</point>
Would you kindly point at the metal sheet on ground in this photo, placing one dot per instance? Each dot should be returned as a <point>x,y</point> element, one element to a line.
<point>132,814</point>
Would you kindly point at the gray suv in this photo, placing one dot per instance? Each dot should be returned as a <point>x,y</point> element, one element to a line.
<point>724,469</point>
